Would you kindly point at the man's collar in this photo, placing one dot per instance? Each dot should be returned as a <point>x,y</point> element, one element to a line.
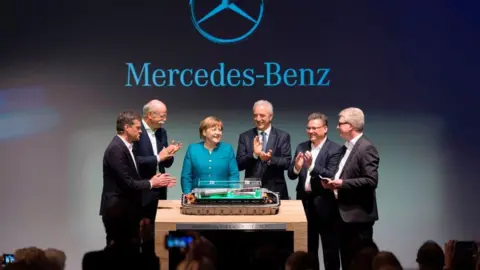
<point>267,131</point>
<point>350,144</point>
<point>320,145</point>
<point>127,144</point>
<point>147,127</point>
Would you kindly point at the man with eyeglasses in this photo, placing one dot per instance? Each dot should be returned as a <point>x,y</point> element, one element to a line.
<point>157,154</point>
<point>354,184</point>
<point>315,158</point>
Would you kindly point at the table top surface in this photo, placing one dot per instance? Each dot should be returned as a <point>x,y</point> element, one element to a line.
<point>291,211</point>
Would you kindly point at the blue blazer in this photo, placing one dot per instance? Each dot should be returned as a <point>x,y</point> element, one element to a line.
<point>211,168</point>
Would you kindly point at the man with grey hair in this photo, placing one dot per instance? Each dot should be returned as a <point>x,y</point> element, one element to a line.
<point>264,152</point>
<point>155,154</point>
<point>354,184</point>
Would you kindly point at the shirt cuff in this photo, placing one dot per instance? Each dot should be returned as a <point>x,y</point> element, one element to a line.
<point>255,156</point>
<point>150,182</point>
<point>295,170</point>
<point>158,158</point>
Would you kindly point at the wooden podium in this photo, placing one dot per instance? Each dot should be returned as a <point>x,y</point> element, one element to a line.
<point>291,216</point>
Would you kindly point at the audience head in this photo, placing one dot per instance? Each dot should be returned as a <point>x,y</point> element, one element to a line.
<point>262,114</point>
<point>211,130</point>
<point>128,125</point>
<point>155,114</point>
<point>363,258</point>
<point>384,259</point>
<point>31,255</point>
<point>430,256</point>
<point>201,248</point>
<point>57,258</point>
<point>299,260</point>
<point>350,123</point>
<point>30,258</point>
<point>200,264</point>
<point>23,265</point>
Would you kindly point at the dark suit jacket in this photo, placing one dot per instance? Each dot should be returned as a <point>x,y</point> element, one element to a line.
<point>120,178</point>
<point>356,198</point>
<point>148,162</point>
<point>271,173</point>
<point>326,165</point>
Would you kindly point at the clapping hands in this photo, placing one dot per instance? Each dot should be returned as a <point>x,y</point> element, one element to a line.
<point>169,151</point>
<point>303,160</point>
<point>257,150</point>
<point>163,180</point>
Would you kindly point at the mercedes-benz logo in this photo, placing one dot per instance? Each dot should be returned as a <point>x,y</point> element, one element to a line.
<point>225,5</point>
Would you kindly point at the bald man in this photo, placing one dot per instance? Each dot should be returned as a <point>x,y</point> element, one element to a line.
<point>155,152</point>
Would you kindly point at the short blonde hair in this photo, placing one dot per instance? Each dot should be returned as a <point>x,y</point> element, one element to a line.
<point>355,117</point>
<point>209,122</point>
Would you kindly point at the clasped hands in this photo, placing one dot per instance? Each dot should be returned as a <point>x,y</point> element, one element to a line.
<point>332,184</point>
<point>169,151</point>
<point>257,150</point>
<point>305,159</point>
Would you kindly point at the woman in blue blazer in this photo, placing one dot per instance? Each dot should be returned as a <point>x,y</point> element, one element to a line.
<point>209,163</point>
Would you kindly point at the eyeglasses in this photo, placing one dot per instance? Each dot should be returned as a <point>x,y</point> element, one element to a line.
<point>313,128</point>
<point>342,123</point>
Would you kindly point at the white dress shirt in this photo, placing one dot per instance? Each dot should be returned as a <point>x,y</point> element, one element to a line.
<point>349,145</point>
<point>153,141</point>
<point>130,149</point>
<point>314,151</point>
<point>267,134</point>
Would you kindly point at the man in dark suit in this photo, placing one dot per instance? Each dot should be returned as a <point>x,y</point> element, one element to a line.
<point>354,184</point>
<point>264,152</point>
<point>121,181</point>
<point>154,154</point>
<point>315,158</point>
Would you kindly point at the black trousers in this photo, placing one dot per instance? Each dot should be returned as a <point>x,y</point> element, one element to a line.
<point>150,212</point>
<point>124,222</point>
<point>352,235</point>
<point>322,220</point>
<point>109,237</point>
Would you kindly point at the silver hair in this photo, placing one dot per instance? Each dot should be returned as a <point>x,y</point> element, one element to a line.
<point>150,105</point>
<point>265,103</point>
<point>355,117</point>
